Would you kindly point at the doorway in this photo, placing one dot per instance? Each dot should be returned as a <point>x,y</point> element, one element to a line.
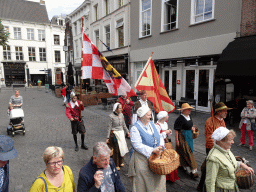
<point>170,78</point>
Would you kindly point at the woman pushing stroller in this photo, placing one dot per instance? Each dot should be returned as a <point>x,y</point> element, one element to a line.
<point>16,100</point>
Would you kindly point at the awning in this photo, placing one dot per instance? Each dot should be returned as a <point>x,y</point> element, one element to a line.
<point>238,58</point>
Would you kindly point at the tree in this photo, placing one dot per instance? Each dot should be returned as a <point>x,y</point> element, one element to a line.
<point>3,35</point>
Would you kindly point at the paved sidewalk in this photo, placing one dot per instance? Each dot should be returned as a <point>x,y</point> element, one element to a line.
<point>47,125</point>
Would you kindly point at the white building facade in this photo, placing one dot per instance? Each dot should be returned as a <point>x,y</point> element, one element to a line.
<point>34,51</point>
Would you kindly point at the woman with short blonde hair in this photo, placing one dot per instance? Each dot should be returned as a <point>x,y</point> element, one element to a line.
<point>56,176</point>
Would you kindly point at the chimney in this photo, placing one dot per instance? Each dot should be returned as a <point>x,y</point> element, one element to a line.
<point>42,2</point>
<point>248,18</point>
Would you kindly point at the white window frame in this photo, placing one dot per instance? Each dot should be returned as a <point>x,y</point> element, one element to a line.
<point>139,68</point>
<point>56,57</point>
<point>19,53</point>
<point>31,51</point>
<point>42,54</point>
<point>140,28</point>
<point>95,38</point>
<point>75,28</point>
<point>17,33</point>
<point>105,35</point>
<point>120,3</point>
<point>76,46</point>
<point>96,12</point>
<point>106,7</point>
<point>163,16</point>
<point>30,34</point>
<point>41,35</point>
<point>7,56</point>
<point>119,24</point>
<point>193,8</point>
<point>56,42</point>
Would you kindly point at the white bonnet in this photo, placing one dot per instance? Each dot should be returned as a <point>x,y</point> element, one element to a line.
<point>142,111</point>
<point>72,94</point>
<point>161,115</point>
<point>115,106</point>
<point>220,133</point>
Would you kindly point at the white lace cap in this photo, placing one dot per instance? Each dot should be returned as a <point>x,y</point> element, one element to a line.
<point>220,133</point>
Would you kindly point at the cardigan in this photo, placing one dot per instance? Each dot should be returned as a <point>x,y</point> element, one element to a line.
<point>210,128</point>
<point>249,116</point>
<point>220,169</point>
<point>116,123</point>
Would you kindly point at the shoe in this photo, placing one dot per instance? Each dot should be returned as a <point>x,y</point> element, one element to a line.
<point>76,149</point>
<point>117,168</point>
<point>250,148</point>
<point>240,145</point>
<point>84,147</point>
<point>194,175</point>
<point>122,165</point>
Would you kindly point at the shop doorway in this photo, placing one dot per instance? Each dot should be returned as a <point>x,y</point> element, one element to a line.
<point>170,79</point>
<point>36,77</point>
<point>199,86</point>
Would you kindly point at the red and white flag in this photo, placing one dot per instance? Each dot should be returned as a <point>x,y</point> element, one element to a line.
<point>96,66</point>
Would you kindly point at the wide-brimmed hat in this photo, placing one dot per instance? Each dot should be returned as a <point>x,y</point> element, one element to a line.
<point>220,106</point>
<point>185,106</point>
<point>7,150</point>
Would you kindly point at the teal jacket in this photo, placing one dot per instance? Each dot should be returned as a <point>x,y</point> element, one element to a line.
<point>220,169</point>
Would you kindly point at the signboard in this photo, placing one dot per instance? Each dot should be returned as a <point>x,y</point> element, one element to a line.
<point>178,82</point>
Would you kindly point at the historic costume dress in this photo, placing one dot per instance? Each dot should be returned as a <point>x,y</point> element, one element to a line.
<point>173,176</point>
<point>185,149</point>
<point>144,139</point>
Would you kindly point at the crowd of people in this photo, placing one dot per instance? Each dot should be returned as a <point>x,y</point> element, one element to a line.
<point>101,173</point>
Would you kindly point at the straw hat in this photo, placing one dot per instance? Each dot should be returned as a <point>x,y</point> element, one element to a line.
<point>220,106</point>
<point>185,106</point>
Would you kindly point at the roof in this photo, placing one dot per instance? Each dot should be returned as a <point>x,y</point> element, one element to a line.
<point>22,10</point>
<point>238,58</point>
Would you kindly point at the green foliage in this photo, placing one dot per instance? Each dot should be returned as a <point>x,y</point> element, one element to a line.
<point>3,35</point>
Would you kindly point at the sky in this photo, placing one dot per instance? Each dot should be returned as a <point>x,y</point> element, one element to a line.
<point>58,7</point>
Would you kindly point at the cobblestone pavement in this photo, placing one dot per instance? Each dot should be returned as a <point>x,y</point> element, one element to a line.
<point>47,125</point>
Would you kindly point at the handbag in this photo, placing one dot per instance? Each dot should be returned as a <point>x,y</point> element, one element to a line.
<point>253,126</point>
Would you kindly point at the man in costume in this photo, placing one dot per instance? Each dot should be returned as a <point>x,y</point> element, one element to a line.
<point>73,109</point>
<point>211,124</point>
<point>126,108</point>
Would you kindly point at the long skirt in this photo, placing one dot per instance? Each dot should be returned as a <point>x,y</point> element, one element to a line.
<point>142,178</point>
<point>187,158</point>
<point>118,159</point>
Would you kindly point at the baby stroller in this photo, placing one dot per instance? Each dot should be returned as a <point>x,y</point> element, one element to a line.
<point>16,122</point>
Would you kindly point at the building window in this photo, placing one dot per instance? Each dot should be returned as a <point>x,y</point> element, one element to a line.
<point>120,32</point>
<point>68,39</point>
<point>96,12</point>
<point>77,51</point>
<point>57,56</point>
<point>145,18</point>
<point>120,3</point>
<point>17,32</point>
<point>138,68</point>
<point>107,7</point>
<point>31,53</point>
<point>75,28</point>
<point>56,39</point>
<point>19,53</point>
<point>61,22</point>
<point>107,35</point>
<point>7,53</point>
<point>42,54</point>
<point>97,38</point>
<point>202,10</point>
<point>169,14</point>
<point>41,35</point>
<point>30,34</point>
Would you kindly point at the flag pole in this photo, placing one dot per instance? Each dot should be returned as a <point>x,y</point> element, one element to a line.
<point>81,80</point>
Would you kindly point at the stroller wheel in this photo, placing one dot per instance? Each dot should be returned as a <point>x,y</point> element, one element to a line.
<point>24,132</point>
<point>13,134</point>
<point>8,132</point>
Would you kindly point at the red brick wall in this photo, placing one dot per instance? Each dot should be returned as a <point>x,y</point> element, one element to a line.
<point>248,18</point>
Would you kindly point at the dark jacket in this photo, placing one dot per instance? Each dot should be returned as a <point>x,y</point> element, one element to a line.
<point>86,178</point>
<point>5,187</point>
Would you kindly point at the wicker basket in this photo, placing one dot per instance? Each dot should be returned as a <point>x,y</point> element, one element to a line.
<point>244,180</point>
<point>168,162</point>
<point>168,145</point>
<point>195,133</point>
